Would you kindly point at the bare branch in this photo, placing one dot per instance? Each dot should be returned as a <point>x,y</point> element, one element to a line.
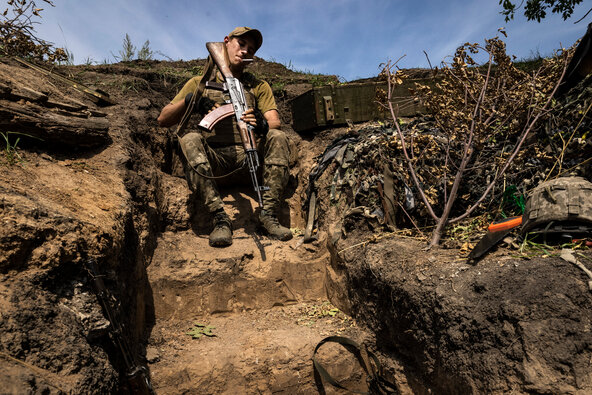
<point>412,172</point>
<point>527,130</point>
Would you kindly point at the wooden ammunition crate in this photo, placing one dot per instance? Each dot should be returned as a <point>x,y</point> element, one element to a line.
<point>337,105</point>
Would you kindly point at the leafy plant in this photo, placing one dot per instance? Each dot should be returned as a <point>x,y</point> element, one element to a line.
<point>531,247</point>
<point>198,330</point>
<point>69,61</point>
<point>315,312</point>
<point>135,85</point>
<point>126,54</point>
<point>11,153</point>
<point>129,86</point>
<point>128,51</point>
<point>10,150</point>
<point>537,9</point>
<point>278,86</point>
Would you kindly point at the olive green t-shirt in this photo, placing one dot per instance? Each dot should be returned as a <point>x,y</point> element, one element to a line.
<point>259,88</point>
<point>257,92</point>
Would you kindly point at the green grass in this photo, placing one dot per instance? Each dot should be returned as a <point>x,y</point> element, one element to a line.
<point>11,150</point>
<point>532,247</point>
<point>11,153</point>
<point>198,330</point>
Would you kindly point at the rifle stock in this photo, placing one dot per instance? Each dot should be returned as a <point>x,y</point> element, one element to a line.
<point>218,52</point>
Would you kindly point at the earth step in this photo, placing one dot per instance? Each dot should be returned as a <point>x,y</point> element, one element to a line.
<point>255,352</point>
<point>188,277</point>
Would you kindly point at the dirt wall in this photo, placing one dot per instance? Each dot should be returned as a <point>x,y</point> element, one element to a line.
<point>504,325</point>
<point>61,205</point>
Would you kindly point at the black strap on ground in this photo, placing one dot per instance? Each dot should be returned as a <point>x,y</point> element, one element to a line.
<point>377,384</point>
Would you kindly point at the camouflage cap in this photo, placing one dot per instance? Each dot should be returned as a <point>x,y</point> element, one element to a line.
<point>243,30</point>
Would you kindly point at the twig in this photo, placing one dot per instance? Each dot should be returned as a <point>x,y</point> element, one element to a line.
<point>560,159</point>
<point>410,219</point>
<point>573,167</point>
<point>582,18</point>
<point>428,58</point>
<point>468,150</point>
<point>403,145</point>
<point>373,239</point>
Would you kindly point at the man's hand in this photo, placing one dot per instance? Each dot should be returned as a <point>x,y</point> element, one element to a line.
<point>171,114</point>
<point>249,117</point>
<point>256,119</point>
<point>204,105</point>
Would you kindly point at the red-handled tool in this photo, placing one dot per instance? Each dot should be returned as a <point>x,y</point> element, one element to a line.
<point>495,232</point>
<point>505,224</point>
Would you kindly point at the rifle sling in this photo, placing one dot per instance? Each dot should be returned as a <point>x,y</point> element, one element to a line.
<point>197,94</point>
<point>376,383</point>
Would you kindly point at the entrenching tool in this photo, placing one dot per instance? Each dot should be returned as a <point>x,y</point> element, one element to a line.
<point>495,232</point>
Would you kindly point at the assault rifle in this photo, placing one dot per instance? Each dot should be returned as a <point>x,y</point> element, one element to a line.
<point>137,375</point>
<point>238,105</point>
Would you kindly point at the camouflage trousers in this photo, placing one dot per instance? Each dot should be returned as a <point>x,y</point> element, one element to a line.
<point>210,161</point>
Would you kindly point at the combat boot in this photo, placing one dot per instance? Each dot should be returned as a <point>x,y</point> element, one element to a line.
<point>271,224</point>
<point>221,236</point>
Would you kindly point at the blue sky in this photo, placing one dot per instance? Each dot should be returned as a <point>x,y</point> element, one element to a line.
<point>348,38</point>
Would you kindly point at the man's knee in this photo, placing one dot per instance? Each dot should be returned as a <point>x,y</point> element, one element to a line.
<point>277,148</point>
<point>276,134</point>
<point>193,146</point>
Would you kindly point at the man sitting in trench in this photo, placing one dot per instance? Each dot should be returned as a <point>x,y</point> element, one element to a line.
<point>221,151</point>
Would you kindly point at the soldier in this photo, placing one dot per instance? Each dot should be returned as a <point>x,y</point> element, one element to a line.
<point>221,151</point>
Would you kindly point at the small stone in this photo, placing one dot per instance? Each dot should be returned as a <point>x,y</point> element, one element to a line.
<point>152,355</point>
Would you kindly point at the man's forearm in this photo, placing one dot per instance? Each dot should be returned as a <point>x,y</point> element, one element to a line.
<point>273,119</point>
<point>171,114</point>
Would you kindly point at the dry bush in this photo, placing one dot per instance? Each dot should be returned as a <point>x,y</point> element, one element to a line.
<point>18,37</point>
<point>481,121</point>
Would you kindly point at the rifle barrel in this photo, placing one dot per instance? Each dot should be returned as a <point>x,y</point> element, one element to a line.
<point>253,163</point>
